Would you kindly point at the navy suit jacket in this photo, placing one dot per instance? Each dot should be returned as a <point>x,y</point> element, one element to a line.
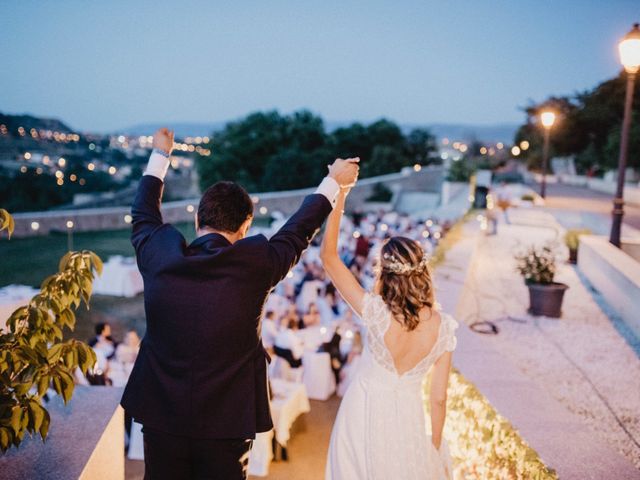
<point>202,371</point>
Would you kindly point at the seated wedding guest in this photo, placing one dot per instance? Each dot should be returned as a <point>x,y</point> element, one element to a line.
<point>362,246</point>
<point>312,317</point>
<point>103,342</point>
<point>288,340</point>
<point>127,351</point>
<point>332,347</point>
<point>291,314</point>
<point>269,329</point>
<point>351,363</point>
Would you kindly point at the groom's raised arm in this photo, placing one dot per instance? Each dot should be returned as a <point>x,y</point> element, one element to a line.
<point>145,211</point>
<point>288,243</point>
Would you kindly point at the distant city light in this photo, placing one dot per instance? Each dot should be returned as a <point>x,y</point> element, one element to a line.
<point>39,171</point>
<point>417,167</point>
<point>59,174</point>
<point>263,210</point>
<point>35,226</point>
<point>73,177</point>
<point>483,150</point>
<point>62,162</point>
<point>255,199</point>
<point>463,148</point>
<point>384,227</point>
<point>437,235</point>
<point>190,208</point>
<point>128,218</point>
<point>60,182</point>
<point>425,234</point>
<point>23,169</point>
<point>27,155</point>
<point>69,224</point>
<point>82,181</point>
<point>92,146</point>
<point>499,145</point>
<point>91,167</point>
<point>121,139</point>
<point>112,170</point>
<point>45,160</point>
<point>515,150</point>
<point>356,234</point>
<point>429,223</point>
<point>524,145</point>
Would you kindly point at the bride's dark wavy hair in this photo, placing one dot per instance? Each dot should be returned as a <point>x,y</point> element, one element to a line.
<point>406,282</point>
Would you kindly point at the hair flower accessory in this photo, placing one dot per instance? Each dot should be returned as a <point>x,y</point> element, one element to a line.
<point>391,264</point>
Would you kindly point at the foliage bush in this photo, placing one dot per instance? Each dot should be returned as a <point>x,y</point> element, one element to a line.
<point>461,170</point>
<point>381,193</point>
<point>33,354</point>
<point>572,237</point>
<point>483,444</point>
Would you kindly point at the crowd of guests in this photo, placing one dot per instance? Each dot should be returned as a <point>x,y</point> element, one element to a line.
<point>306,313</point>
<point>114,361</point>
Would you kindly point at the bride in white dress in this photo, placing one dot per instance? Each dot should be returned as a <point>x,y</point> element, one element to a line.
<point>381,428</point>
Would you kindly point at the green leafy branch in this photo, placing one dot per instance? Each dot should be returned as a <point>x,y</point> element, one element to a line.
<point>33,355</point>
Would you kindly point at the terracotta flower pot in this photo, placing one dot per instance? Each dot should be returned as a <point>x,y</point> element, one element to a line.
<point>546,299</point>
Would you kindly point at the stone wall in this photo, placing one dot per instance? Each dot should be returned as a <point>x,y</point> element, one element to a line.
<point>86,441</point>
<point>428,179</point>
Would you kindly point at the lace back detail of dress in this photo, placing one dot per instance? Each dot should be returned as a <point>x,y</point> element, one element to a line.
<point>377,316</point>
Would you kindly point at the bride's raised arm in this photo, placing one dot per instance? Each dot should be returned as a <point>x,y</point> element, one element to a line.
<point>340,275</point>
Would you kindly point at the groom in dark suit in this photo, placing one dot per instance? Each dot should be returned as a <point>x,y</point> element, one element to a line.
<point>199,384</point>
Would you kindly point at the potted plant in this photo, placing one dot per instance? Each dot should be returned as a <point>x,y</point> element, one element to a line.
<point>572,241</point>
<point>537,265</point>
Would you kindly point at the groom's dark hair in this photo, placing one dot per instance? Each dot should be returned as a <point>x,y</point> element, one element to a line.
<point>224,206</point>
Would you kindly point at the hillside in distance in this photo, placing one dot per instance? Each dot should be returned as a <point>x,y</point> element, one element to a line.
<point>503,132</point>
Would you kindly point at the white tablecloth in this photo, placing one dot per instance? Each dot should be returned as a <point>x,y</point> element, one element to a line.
<point>120,277</point>
<point>289,402</point>
<point>318,377</point>
<point>11,298</point>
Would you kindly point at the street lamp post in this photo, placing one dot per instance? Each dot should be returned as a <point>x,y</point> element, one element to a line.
<point>547,118</point>
<point>629,49</point>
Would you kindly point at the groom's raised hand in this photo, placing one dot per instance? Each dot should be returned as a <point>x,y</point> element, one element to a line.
<point>345,172</point>
<point>163,140</point>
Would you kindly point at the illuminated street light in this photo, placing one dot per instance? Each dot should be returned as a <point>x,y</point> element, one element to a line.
<point>547,119</point>
<point>629,49</point>
<point>515,150</point>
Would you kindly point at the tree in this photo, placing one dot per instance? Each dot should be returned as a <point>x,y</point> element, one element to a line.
<point>587,125</point>
<point>421,146</point>
<point>33,355</point>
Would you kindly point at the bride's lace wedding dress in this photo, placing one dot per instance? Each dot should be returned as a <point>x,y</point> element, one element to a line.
<point>380,431</point>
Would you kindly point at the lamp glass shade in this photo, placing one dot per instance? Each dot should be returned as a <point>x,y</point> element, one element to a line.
<point>547,119</point>
<point>629,48</point>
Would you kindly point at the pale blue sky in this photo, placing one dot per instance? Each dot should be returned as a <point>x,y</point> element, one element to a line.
<point>103,65</point>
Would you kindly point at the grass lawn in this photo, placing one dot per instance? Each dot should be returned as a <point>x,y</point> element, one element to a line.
<point>28,261</point>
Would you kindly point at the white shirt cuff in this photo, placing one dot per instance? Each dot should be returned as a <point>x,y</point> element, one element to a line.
<point>330,189</point>
<point>158,165</point>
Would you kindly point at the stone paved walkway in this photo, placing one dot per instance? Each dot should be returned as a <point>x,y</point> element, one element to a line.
<point>580,359</point>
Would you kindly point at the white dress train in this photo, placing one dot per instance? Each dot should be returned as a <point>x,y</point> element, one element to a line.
<point>380,432</point>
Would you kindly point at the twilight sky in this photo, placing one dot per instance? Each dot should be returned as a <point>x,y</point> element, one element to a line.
<point>104,65</point>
